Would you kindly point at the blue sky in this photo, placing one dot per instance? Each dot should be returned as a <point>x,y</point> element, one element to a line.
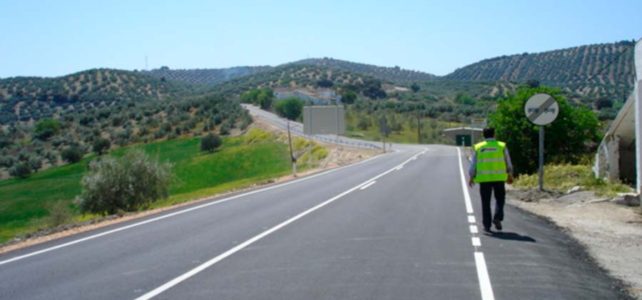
<point>52,38</point>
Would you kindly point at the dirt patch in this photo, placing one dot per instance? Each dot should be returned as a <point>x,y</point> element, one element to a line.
<point>338,156</point>
<point>611,233</point>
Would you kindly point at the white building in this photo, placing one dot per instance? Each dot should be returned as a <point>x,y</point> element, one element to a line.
<point>619,156</point>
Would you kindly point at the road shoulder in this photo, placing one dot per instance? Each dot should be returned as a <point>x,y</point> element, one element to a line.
<point>611,233</point>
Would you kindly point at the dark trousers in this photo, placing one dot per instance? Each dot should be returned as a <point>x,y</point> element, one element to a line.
<point>486,190</point>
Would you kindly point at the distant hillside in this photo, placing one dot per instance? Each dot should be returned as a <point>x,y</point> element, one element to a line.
<point>593,71</point>
<point>299,76</point>
<point>211,77</point>
<point>394,74</point>
<point>207,77</point>
<point>23,98</point>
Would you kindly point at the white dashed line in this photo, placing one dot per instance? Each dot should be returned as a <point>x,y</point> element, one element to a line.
<point>471,219</point>
<point>476,242</point>
<point>482,276</point>
<point>155,292</point>
<point>473,229</point>
<point>368,185</point>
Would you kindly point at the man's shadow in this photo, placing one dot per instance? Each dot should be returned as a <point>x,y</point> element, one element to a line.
<point>512,236</point>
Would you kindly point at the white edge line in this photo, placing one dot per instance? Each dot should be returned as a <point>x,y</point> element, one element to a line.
<point>482,275</point>
<point>91,237</point>
<point>239,247</point>
<point>367,185</point>
<point>464,187</point>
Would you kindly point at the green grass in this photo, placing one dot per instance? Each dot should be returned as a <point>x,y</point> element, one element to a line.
<point>562,177</point>
<point>241,161</point>
<point>23,201</point>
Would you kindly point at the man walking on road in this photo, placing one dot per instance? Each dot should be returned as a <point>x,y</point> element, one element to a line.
<point>491,168</point>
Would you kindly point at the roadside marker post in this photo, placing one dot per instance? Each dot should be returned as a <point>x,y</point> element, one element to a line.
<point>541,110</point>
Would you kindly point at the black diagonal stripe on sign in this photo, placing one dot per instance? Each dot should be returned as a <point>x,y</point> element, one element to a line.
<point>532,117</point>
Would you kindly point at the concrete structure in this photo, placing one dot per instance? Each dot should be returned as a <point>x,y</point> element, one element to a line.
<point>464,136</point>
<point>619,155</point>
<point>616,154</point>
<point>324,120</point>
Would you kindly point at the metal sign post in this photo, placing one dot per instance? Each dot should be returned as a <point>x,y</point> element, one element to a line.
<point>541,109</point>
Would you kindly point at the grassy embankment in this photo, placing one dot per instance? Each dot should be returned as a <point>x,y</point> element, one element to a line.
<point>561,178</point>
<point>26,204</point>
<point>403,128</point>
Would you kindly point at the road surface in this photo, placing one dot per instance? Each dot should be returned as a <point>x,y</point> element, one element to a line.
<point>397,226</point>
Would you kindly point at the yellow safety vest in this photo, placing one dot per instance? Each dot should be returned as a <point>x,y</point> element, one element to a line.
<point>491,164</point>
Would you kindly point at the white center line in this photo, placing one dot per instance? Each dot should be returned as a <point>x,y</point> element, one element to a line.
<point>155,292</point>
<point>368,185</point>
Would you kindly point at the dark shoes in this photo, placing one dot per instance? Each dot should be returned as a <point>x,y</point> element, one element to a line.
<point>498,224</point>
<point>487,230</point>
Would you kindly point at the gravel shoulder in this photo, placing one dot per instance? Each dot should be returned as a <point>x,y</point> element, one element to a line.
<point>611,233</point>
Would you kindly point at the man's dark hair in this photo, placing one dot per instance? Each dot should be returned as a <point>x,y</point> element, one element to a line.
<point>489,133</point>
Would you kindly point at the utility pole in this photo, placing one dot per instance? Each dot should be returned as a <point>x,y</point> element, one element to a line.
<point>383,129</point>
<point>293,159</point>
<point>418,127</point>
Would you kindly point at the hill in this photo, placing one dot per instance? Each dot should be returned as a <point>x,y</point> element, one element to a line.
<point>301,76</point>
<point>591,71</point>
<point>24,98</point>
<point>212,77</point>
<point>207,77</point>
<point>391,74</point>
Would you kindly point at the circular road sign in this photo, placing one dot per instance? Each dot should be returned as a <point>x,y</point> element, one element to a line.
<point>541,109</point>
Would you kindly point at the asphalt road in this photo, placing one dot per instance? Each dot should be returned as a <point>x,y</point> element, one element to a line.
<point>296,128</point>
<point>393,227</point>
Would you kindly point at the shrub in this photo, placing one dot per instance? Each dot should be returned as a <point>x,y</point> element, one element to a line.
<point>225,128</point>
<point>35,163</point>
<point>72,154</point>
<point>59,214</point>
<point>7,161</point>
<point>290,108</point>
<point>415,87</point>
<point>21,170</point>
<point>348,97</point>
<point>101,145</point>
<point>124,184</point>
<point>571,136</point>
<point>210,142</point>
<point>562,177</point>
<point>46,128</point>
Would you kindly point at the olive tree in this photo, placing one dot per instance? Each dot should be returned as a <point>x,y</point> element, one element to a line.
<point>124,184</point>
<point>289,108</point>
<point>210,142</point>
